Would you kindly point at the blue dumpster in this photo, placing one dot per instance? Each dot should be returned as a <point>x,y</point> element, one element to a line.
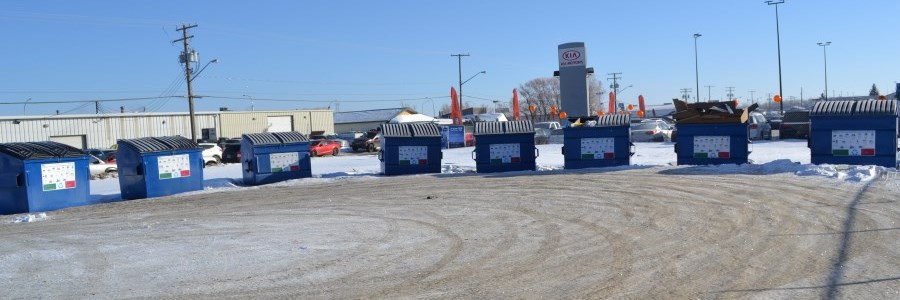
<point>854,133</point>
<point>600,142</point>
<point>273,157</point>
<point>42,176</point>
<point>712,143</point>
<point>158,166</point>
<point>410,149</point>
<point>504,147</point>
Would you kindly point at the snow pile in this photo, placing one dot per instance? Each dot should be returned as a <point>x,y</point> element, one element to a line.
<point>844,172</point>
<point>30,218</point>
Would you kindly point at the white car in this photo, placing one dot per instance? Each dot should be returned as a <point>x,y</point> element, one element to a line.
<point>99,166</point>
<point>212,153</point>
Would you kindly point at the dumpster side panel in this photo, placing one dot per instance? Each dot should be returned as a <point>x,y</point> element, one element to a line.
<point>825,150</point>
<point>174,172</point>
<point>410,155</point>
<point>275,163</point>
<point>58,183</point>
<point>511,152</point>
<point>13,193</point>
<point>707,136</point>
<point>609,146</point>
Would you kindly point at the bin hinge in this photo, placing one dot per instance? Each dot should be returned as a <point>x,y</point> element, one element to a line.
<point>563,150</point>
<point>537,152</point>
<point>473,155</point>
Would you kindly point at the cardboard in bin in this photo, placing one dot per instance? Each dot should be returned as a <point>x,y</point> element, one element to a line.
<point>711,112</point>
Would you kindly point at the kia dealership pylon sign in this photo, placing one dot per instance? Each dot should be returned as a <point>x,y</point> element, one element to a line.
<point>572,83</point>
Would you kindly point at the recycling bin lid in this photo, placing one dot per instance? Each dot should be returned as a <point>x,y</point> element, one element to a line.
<point>260,139</point>
<point>833,108</point>
<point>159,144</point>
<point>613,120</point>
<point>395,130</point>
<point>488,128</point>
<point>290,137</point>
<point>876,108</point>
<point>40,150</point>
<point>425,129</point>
<point>518,127</point>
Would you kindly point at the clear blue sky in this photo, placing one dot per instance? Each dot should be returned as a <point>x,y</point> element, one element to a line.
<point>357,52</point>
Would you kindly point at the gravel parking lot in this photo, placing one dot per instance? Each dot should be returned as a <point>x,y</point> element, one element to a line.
<point>643,233</point>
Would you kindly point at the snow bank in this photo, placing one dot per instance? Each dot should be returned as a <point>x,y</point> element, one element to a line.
<point>29,218</point>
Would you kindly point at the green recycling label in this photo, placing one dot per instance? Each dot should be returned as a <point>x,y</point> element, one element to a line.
<point>58,176</point>
<point>853,142</point>
<point>284,162</point>
<point>173,166</point>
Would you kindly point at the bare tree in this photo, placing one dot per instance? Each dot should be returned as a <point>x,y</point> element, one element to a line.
<point>544,93</point>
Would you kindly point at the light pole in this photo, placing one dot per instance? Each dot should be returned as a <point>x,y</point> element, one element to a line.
<point>252,107</point>
<point>460,89</point>
<point>696,66</point>
<point>25,105</point>
<point>708,92</point>
<point>433,112</point>
<point>778,36</point>
<point>825,57</point>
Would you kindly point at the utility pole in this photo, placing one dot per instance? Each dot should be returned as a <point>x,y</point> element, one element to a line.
<point>459,60</point>
<point>730,92</point>
<point>752,99</point>
<point>97,107</point>
<point>615,85</point>
<point>686,94</point>
<point>708,92</point>
<point>186,57</point>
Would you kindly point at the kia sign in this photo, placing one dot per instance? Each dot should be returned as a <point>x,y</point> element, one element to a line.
<point>571,57</point>
<point>573,89</point>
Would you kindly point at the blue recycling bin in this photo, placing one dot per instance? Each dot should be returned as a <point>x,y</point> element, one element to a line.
<point>854,133</point>
<point>410,149</point>
<point>504,147</point>
<point>42,176</point>
<point>158,166</point>
<point>274,157</point>
<point>606,143</point>
<point>712,143</point>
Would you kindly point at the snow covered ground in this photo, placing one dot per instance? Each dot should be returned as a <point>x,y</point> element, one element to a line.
<point>767,157</point>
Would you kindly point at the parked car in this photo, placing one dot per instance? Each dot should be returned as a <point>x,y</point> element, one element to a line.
<point>324,147</point>
<point>759,127</point>
<point>110,158</point>
<point>370,142</point>
<point>231,154</point>
<point>795,125</point>
<point>652,130</point>
<point>99,153</point>
<point>99,166</point>
<point>212,153</point>
<point>470,139</point>
<point>345,144</point>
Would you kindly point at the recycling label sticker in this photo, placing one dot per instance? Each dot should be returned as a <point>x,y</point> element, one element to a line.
<point>284,162</point>
<point>173,166</point>
<point>853,142</point>
<point>712,147</point>
<point>58,176</point>
<point>598,148</point>
<point>413,155</point>
<point>505,154</point>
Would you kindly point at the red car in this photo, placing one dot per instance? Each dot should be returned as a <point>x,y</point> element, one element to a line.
<point>324,147</point>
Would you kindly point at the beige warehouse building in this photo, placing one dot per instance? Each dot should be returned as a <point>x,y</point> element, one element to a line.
<point>103,130</point>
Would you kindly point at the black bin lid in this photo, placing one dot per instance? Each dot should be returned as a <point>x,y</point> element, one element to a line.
<point>518,127</point>
<point>876,108</point>
<point>275,138</point>
<point>159,144</point>
<point>40,150</point>
<point>425,129</point>
<point>395,130</point>
<point>488,128</point>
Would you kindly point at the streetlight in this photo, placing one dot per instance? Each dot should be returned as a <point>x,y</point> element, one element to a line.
<point>433,111</point>
<point>25,105</point>
<point>460,89</point>
<point>778,36</point>
<point>697,66</point>
<point>252,106</point>
<point>825,57</point>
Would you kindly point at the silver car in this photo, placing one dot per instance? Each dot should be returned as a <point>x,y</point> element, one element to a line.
<point>759,127</point>
<point>651,131</point>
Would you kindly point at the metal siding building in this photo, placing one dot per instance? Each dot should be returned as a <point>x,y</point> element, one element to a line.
<point>102,131</point>
<point>364,120</point>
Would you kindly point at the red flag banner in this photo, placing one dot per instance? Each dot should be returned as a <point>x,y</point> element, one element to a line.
<point>515,105</point>
<point>640,102</point>
<point>455,110</point>
<point>612,103</point>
